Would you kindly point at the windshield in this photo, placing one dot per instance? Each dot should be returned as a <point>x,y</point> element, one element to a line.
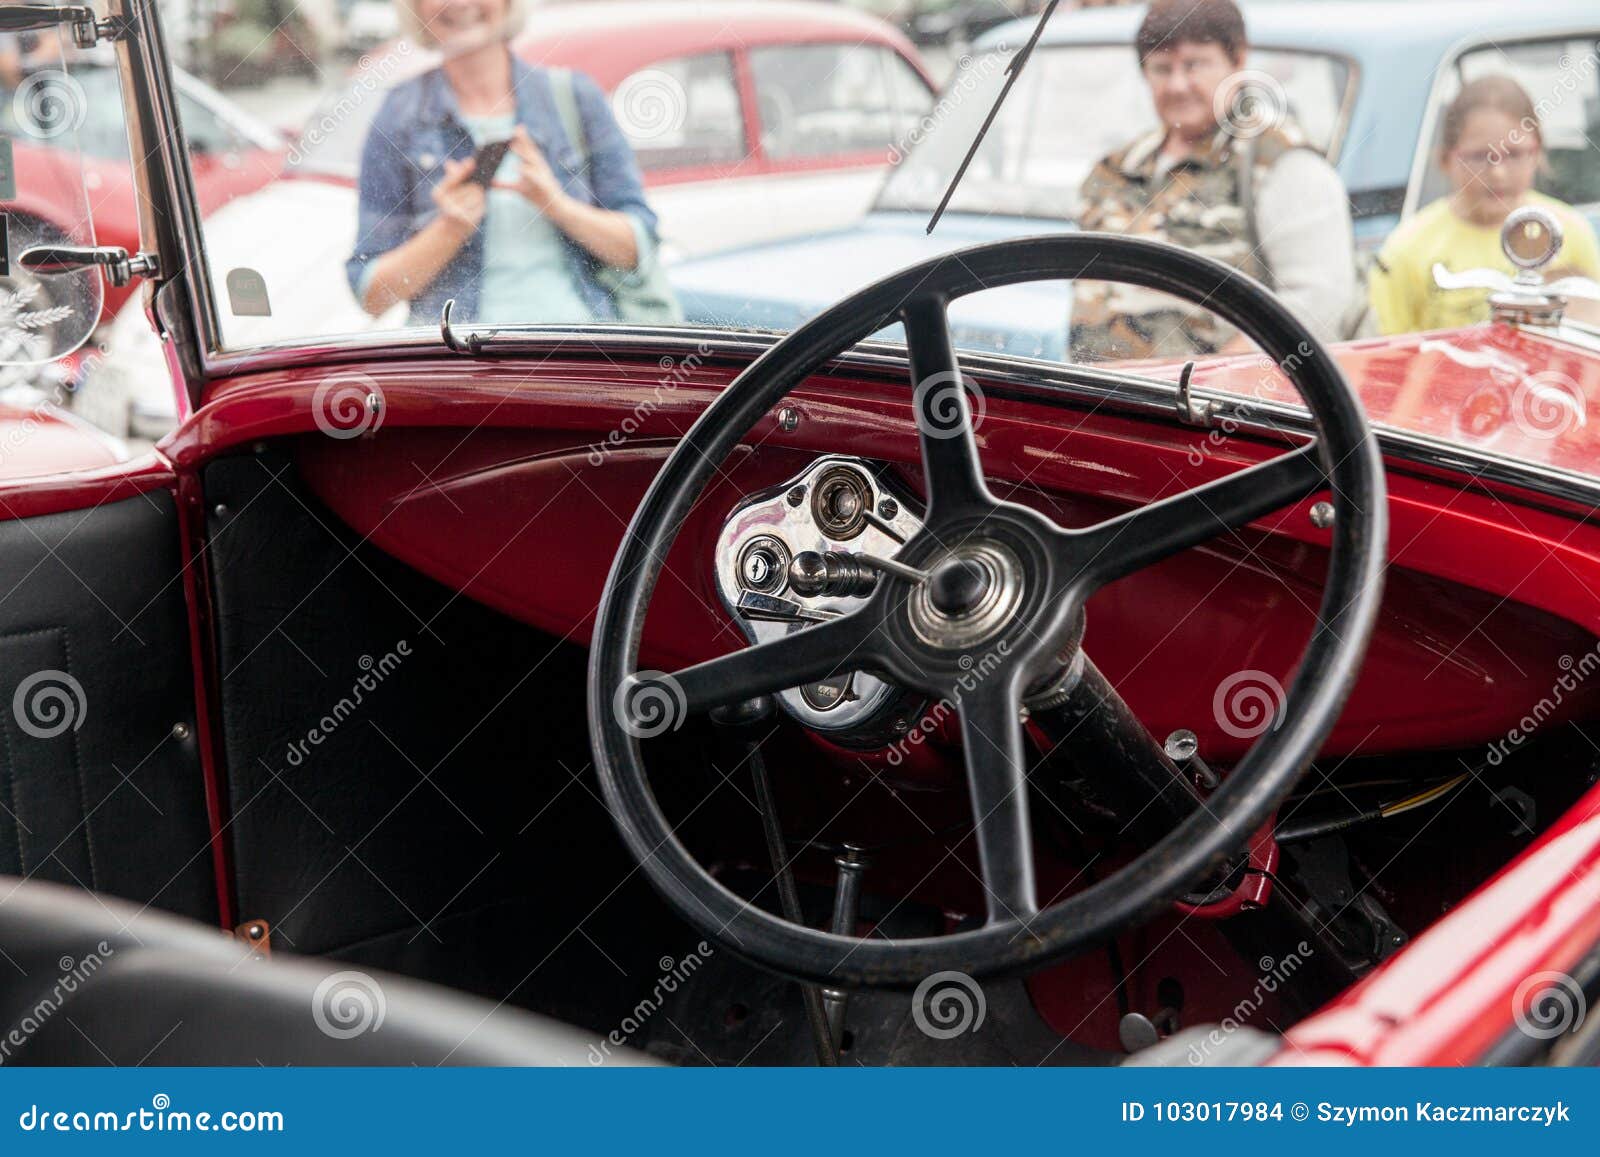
<point>607,164</point>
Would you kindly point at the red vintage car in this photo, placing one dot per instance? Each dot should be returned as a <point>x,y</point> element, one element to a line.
<point>613,694</point>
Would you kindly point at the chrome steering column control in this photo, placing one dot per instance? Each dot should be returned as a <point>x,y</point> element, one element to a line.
<point>808,551</point>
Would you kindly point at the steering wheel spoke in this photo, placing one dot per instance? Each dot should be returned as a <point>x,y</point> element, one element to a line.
<point>821,651</point>
<point>950,464</point>
<point>1119,546</point>
<point>997,777</point>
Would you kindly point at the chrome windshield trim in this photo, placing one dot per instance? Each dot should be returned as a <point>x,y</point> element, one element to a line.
<point>1051,383</point>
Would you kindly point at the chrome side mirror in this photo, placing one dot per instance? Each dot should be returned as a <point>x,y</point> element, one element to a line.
<point>1530,238</point>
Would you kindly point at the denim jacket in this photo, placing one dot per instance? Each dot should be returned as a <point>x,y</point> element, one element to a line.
<point>420,125</point>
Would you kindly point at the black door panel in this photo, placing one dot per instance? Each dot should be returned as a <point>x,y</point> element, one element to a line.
<point>100,777</point>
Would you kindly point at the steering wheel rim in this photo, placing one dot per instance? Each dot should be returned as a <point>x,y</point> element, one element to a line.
<point>1344,458</point>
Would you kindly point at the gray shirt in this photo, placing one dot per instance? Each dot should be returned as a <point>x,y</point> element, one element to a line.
<point>1303,225</point>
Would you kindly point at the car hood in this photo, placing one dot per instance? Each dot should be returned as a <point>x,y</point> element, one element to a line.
<point>782,284</point>
<point>37,437</point>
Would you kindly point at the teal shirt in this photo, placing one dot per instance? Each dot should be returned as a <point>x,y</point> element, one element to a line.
<point>527,271</point>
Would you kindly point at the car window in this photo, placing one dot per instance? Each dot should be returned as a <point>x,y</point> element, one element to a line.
<point>817,100</point>
<point>682,112</point>
<point>1568,106</point>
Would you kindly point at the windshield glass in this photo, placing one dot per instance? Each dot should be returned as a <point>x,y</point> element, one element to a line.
<point>53,149</point>
<point>709,166</point>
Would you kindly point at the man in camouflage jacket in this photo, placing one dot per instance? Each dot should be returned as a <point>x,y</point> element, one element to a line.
<point>1226,174</point>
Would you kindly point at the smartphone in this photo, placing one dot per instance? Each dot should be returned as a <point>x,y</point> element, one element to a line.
<point>488,159</point>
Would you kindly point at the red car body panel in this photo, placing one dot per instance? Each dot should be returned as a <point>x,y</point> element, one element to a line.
<point>568,35</point>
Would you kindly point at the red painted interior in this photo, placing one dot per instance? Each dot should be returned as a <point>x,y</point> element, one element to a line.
<point>518,461</point>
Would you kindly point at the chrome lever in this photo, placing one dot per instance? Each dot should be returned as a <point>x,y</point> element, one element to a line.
<point>761,608</point>
<point>52,260</point>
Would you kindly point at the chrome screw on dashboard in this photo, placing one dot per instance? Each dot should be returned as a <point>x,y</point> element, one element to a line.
<point>796,496</point>
<point>888,508</point>
<point>1322,515</point>
<point>788,419</point>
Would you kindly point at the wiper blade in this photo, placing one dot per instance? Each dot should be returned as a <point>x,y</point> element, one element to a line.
<point>1013,70</point>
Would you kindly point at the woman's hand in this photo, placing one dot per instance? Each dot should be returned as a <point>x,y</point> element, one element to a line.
<point>536,181</point>
<point>461,200</point>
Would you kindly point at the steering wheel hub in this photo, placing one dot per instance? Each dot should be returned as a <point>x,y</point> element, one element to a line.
<point>971,595</point>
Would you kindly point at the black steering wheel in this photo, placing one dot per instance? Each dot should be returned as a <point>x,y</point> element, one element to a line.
<point>1004,596</point>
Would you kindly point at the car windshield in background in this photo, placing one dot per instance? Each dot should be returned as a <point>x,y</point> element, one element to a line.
<point>1045,140</point>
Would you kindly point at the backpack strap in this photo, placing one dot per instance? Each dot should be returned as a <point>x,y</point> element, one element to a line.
<point>566,98</point>
<point>1244,159</point>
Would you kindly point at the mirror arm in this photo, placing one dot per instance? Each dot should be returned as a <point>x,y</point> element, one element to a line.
<point>87,29</point>
<point>51,260</point>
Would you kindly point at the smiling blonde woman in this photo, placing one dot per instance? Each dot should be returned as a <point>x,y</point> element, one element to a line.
<point>548,236</point>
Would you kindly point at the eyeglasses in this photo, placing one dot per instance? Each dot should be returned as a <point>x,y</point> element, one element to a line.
<point>1489,158</point>
<point>1188,69</point>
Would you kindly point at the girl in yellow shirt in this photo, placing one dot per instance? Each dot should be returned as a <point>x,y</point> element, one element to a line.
<point>1490,148</point>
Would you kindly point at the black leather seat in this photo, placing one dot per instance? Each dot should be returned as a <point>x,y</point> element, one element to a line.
<point>88,980</point>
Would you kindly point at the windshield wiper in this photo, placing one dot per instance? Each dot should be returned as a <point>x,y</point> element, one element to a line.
<point>1013,70</point>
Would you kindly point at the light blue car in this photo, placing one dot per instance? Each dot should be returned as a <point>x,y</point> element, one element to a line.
<point>1365,80</point>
